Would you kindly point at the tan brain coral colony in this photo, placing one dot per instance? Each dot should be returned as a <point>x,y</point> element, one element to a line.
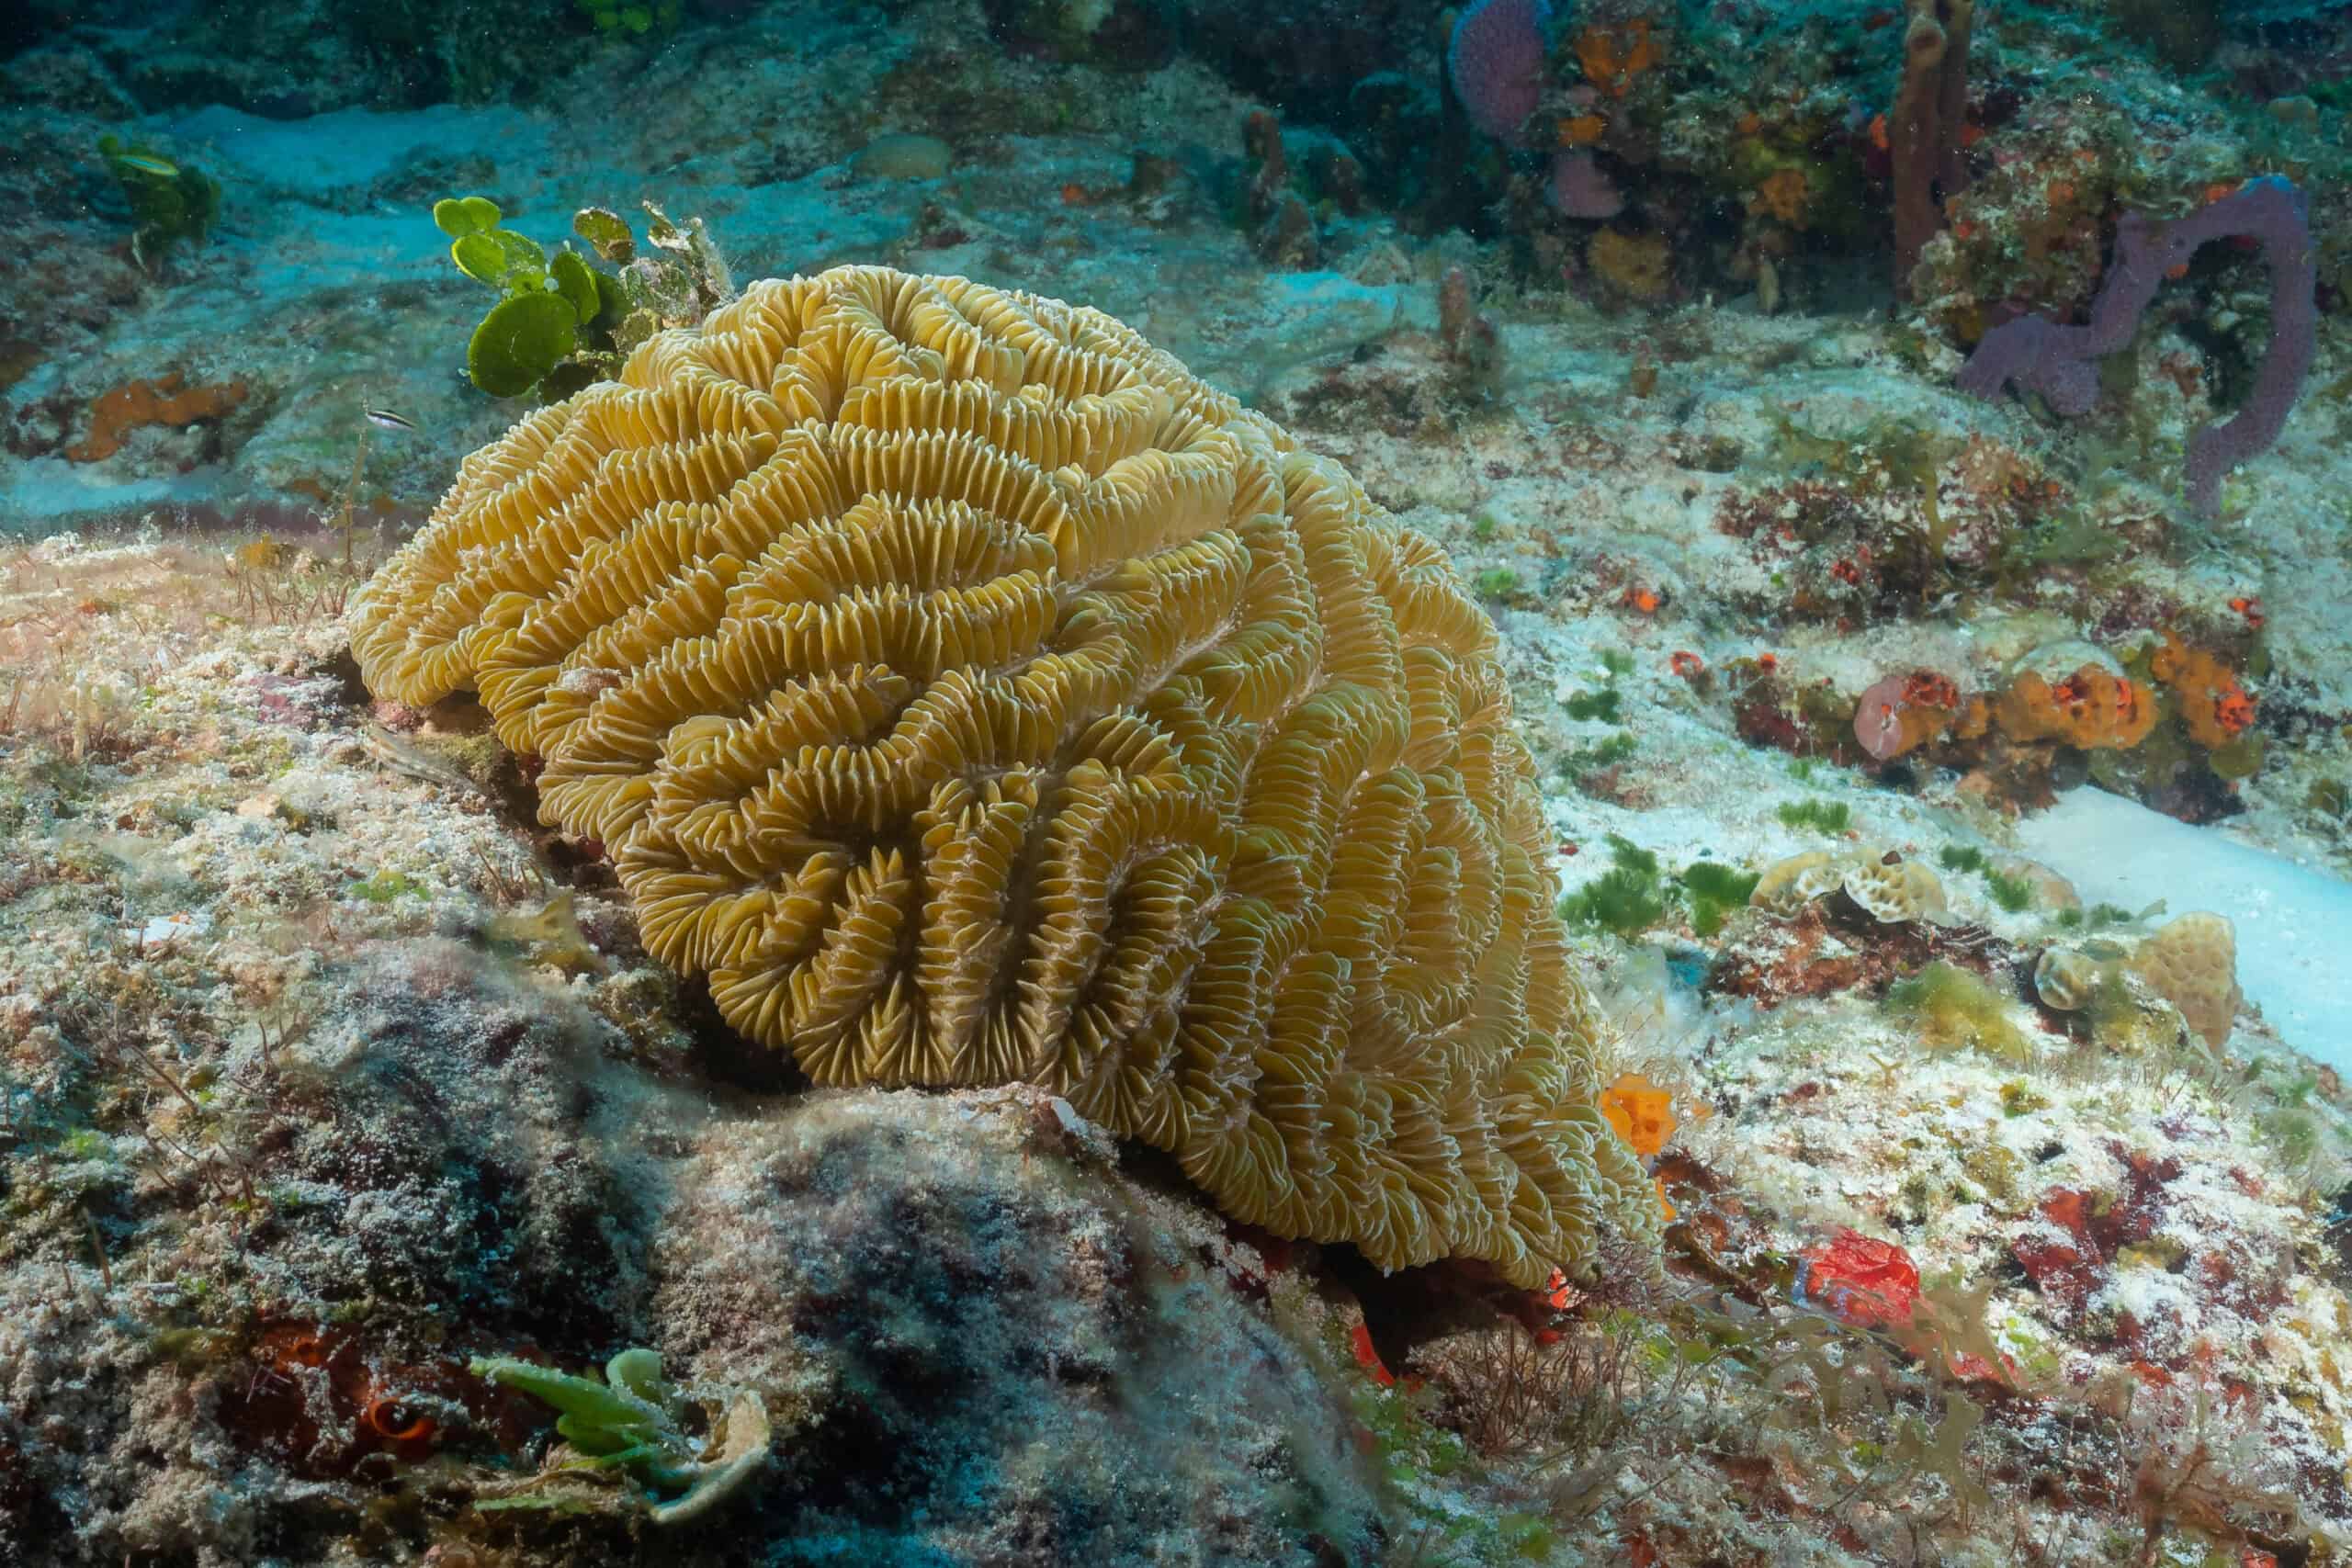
<point>972,695</point>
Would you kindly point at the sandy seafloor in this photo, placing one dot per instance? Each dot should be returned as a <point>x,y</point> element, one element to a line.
<point>289,1045</point>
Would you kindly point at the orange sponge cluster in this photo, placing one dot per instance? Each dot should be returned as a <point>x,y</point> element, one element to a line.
<point>2092,708</point>
<point>2215,707</point>
<point>1641,1112</point>
<point>1637,266</point>
<point>1643,1115</point>
<point>1612,56</point>
<point>1905,712</point>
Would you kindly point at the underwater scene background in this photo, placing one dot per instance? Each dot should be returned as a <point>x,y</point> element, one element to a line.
<point>1030,782</point>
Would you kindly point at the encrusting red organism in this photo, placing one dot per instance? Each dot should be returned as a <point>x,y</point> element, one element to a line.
<point>399,1423</point>
<point>1857,1280</point>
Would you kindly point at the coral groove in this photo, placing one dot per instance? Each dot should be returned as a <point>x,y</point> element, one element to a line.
<point>973,696</point>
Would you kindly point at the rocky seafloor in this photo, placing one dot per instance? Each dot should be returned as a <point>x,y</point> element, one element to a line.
<point>328,1072</point>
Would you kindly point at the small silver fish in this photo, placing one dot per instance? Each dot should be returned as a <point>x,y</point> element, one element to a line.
<point>403,758</point>
<point>386,418</point>
<point>148,163</point>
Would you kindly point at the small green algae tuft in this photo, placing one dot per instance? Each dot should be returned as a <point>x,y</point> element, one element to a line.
<point>1821,816</point>
<point>561,323</point>
<point>1953,1009</point>
<point>1714,891</point>
<point>169,201</point>
<point>1627,899</point>
<point>630,1426</point>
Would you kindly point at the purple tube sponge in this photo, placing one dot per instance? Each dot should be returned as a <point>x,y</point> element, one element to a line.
<point>1495,60</point>
<point>2034,352</point>
<point>1579,189</point>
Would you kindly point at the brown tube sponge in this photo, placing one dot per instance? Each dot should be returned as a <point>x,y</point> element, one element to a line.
<point>973,696</point>
<point>1924,133</point>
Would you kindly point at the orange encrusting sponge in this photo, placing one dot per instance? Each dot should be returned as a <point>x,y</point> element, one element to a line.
<point>113,415</point>
<point>2092,708</point>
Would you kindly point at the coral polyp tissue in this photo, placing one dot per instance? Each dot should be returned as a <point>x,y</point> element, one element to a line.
<point>973,696</point>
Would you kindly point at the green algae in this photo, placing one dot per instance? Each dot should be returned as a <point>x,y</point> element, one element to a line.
<point>1832,817</point>
<point>631,1423</point>
<point>169,202</point>
<point>1952,1009</point>
<point>388,886</point>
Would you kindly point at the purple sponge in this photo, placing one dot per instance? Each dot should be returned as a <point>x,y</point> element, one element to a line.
<point>2057,360</point>
<point>1496,58</point>
<point>1496,61</point>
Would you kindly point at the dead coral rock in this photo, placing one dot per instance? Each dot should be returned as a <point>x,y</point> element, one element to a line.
<point>1113,35</point>
<point>1009,1354</point>
<point>69,77</point>
<point>463,1142</point>
<point>1402,386</point>
<point>1884,884</point>
<point>27,1510</point>
<point>2080,1232</point>
<point>1832,945</point>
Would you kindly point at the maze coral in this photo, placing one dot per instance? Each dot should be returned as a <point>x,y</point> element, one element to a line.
<point>974,695</point>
